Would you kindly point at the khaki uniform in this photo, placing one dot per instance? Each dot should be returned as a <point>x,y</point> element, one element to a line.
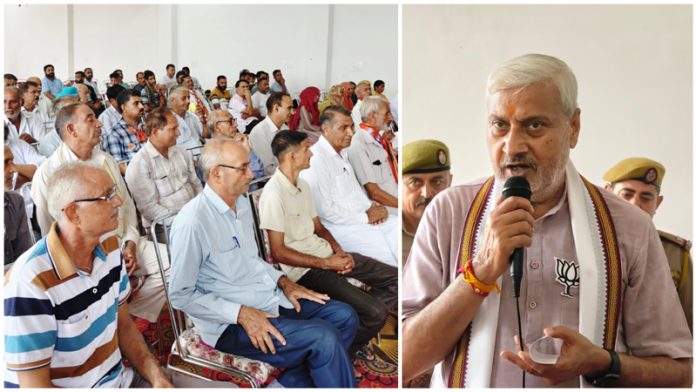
<point>406,242</point>
<point>679,258</point>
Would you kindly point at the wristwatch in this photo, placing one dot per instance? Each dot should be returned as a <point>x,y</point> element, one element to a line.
<point>612,375</point>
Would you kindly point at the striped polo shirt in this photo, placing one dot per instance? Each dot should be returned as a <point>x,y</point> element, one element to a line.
<point>58,316</point>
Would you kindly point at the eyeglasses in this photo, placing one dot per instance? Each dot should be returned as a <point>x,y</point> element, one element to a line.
<point>108,197</point>
<point>242,168</point>
<point>230,121</point>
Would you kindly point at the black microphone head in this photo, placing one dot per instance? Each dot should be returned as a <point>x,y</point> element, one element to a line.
<point>517,186</point>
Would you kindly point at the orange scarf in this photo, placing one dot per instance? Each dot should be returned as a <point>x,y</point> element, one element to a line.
<point>386,145</point>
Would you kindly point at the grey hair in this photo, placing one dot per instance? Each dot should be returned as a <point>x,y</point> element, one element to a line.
<point>67,184</point>
<point>371,105</point>
<point>64,116</point>
<point>212,153</point>
<point>214,117</point>
<point>535,68</point>
<point>176,92</point>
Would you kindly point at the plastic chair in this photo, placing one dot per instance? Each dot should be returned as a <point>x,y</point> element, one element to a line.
<point>188,345</point>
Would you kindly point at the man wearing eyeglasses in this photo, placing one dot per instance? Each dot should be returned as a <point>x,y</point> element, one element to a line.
<point>80,131</point>
<point>222,124</point>
<point>73,282</point>
<point>161,176</point>
<point>239,303</point>
<point>280,110</point>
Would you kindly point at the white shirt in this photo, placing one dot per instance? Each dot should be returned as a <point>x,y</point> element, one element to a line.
<point>355,115</point>
<point>260,140</point>
<point>24,153</point>
<point>160,185</point>
<point>94,85</point>
<point>108,118</point>
<point>338,196</point>
<point>191,131</point>
<point>127,223</point>
<point>236,106</point>
<point>363,153</point>
<point>259,100</point>
<point>29,123</point>
<point>167,81</point>
<point>49,143</point>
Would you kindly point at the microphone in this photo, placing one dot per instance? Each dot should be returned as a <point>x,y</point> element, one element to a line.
<point>517,186</point>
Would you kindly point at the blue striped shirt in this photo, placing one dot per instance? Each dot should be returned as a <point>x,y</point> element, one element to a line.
<point>58,316</point>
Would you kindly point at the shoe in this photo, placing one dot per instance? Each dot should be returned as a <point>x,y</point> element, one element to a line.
<point>365,353</point>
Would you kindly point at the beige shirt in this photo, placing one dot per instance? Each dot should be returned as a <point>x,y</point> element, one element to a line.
<point>652,320</point>
<point>371,162</point>
<point>289,209</point>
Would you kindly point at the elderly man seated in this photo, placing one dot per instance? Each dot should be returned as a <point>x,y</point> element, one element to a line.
<point>66,315</point>
<point>241,304</point>
<point>222,124</point>
<point>161,176</point>
<point>80,131</point>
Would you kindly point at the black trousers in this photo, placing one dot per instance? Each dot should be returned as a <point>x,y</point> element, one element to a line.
<point>372,307</point>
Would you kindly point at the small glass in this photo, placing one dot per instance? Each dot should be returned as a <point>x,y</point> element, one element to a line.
<point>546,350</point>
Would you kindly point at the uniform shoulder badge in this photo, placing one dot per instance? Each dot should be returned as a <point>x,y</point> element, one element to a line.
<point>681,242</point>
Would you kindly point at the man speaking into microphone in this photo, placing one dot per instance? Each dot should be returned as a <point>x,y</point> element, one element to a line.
<point>594,274</point>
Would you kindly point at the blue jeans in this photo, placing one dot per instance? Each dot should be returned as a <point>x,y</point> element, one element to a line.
<point>316,353</point>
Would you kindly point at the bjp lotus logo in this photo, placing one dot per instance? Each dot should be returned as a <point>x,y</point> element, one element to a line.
<point>567,275</point>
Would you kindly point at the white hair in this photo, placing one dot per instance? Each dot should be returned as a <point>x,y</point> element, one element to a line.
<point>67,184</point>
<point>176,92</point>
<point>214,117</point>
<point>212,153</point>
<point>371,105</point>
<point>534,68</point>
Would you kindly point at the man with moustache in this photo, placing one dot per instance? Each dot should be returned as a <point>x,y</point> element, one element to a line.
<point>189,124</point>
<point>623,326</point>
<point>426,172</point>
<point>261,95</point>
<point>241,106</point>
<point>94,101</point>
<point>50,84</point>
<point>279,106</point>
<point>362,90</point>
<point>89,79</point>
<point>638,181</point>
<point>127,135</point>
<point>150,94</point>
<point>220,96</point>
<point>21,124</point>
<point>221,124</point>
<point>357,223</point>
<point>239,303</point>
<point>80,132</point>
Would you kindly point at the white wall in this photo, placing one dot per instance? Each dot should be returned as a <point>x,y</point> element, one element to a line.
<point>634,70</point>
<point>312,44</point>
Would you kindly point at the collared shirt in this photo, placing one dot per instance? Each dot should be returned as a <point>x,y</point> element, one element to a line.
<point>59,316</point>
<point>109,117</point>
<point>49,143</point>
<point>17,235</point>
<point>236,106</point>
<point>355,115</point>
<point>652,320</point>
<point>191,131</point>
<point>371,162</point>
<point>55,85</point>
<point>338,196</point>
<point>216,266</point>
<point>161,185</point>
<point>123,142</point>
<point>289,209</point>
<point>29,123</point>
<point>127,223</point>
<point>24,153</point>
<point>259,100</point>
<point>260,140</point>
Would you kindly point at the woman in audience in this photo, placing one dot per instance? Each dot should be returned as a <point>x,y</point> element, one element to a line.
<point>334,97</point>
<point>348,88</point>
<point>306,118</point>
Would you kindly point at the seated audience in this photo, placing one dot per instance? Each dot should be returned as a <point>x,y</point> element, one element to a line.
<point>80,131</point>
<point>378,90</point>
<point>357,223</point>
<point>22,124</point>
<point>75,338</point>
<point>161,177</point>
<point>280,110</point>
<point>89,79</point>
<point>10,80</point>
<point>168,80</point>
<point>372,156</point>
<point>334,97</point>
<point>259,98</point>
<point>51,86</point>
<point>310,255</point>
<point>306,117</point>
<point>18,237</point>
<point>278,85</point>
<point>222,125</point>
<point>239,303</point>
<point>348,89</point>
<point>189,124</point>
<point>220,96</point>
<point>127,135</point>
<point>362,91</point>
<point>112,115</point>
<point>241,106</point>
<point>94,101</point>
<point>198,100</point>
<point>150,94</point>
